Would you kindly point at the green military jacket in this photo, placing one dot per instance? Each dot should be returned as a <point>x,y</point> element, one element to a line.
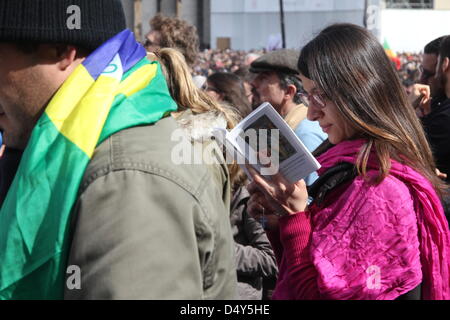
<point>145,227</point>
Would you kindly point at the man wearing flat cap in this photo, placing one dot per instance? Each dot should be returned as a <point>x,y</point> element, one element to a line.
<point>277,82</point>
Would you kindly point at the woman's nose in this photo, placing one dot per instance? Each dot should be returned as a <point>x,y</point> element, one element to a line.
<point>313,113</point>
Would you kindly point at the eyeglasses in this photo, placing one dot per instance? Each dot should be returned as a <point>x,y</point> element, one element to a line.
<point>208,88</point>
<point>425,74</point>
<point>149,43</point>
<point>314,99</point>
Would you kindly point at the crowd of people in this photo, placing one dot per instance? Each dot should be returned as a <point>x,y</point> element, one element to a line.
<point>210,61</point>
<point>409,66</point>
<point>213,60</point>
<point>99,201</point>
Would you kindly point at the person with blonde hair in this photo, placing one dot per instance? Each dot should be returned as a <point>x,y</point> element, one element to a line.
<point>198,114</point>
<point>255,260</point>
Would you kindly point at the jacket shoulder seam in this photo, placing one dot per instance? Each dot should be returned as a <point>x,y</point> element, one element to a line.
<point>145,168</point>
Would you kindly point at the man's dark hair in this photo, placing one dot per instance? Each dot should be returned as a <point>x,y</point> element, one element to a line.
<point>290,79</point>
<point>433,46</point>
<point>32,47</point>
<point>27,47</point>
<point>444,50</point>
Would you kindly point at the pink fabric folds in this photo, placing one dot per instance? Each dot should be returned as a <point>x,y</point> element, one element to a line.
<point>376,241</point>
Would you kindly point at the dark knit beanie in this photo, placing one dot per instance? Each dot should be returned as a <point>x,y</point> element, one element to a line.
<point>86,23</point>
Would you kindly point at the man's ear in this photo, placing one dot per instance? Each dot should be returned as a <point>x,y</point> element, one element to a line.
<point>67,55</point>
<point>59,54</point>
<point>291,90</point>
<point>445,65</point>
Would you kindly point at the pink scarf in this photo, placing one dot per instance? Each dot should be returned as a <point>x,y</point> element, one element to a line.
<point>433,227</point>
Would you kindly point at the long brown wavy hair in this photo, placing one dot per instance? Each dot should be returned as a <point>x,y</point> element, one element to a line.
<point>351,67</point>
<point>231,88</point>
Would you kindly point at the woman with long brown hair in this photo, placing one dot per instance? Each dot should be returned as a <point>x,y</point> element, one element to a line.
<point>374,227</point>
<point>228,88</point>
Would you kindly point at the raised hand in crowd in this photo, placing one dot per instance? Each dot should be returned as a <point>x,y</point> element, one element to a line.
<point>420,99</point>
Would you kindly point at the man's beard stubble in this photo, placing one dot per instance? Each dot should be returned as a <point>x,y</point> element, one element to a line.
<point>255,99</point>
<point>443,82</point>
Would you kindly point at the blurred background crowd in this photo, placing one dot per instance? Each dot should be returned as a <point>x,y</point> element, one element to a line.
<point>211,61</point>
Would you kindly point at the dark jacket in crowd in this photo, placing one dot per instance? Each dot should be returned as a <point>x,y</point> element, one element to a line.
<point>144,227</point>
<point>437,128</point>
<point>9,164</point>
<point>255,259</point>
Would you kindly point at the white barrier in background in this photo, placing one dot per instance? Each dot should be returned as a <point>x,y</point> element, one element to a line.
<point>411,30</point>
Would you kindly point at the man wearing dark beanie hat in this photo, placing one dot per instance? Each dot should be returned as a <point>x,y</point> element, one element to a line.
<point>97,209</point>
<point>54,21</point>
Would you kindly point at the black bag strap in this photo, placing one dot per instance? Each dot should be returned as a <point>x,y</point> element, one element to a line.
<point>414,294</point>
<point>333,177</point>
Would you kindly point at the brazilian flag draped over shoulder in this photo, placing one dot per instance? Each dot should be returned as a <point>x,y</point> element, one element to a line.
<point>115,88</point>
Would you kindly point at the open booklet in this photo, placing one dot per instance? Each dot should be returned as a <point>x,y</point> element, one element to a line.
<point>265,141</point>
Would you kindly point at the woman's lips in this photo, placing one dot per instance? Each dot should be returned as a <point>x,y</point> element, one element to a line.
<point>326,128</point>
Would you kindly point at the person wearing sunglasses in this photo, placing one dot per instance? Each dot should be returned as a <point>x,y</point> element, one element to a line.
<point>432,105</point>
<point>375,227</point>
<point>429,64</point>
<point>428,90</point>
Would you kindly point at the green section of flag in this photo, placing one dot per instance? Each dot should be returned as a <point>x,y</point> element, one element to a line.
<point>35,217</point>
<point>386,45</point>
<point>388,50</point>
<point>143,107</point>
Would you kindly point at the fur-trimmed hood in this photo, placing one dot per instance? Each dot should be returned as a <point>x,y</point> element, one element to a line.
<point>199,127</point>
